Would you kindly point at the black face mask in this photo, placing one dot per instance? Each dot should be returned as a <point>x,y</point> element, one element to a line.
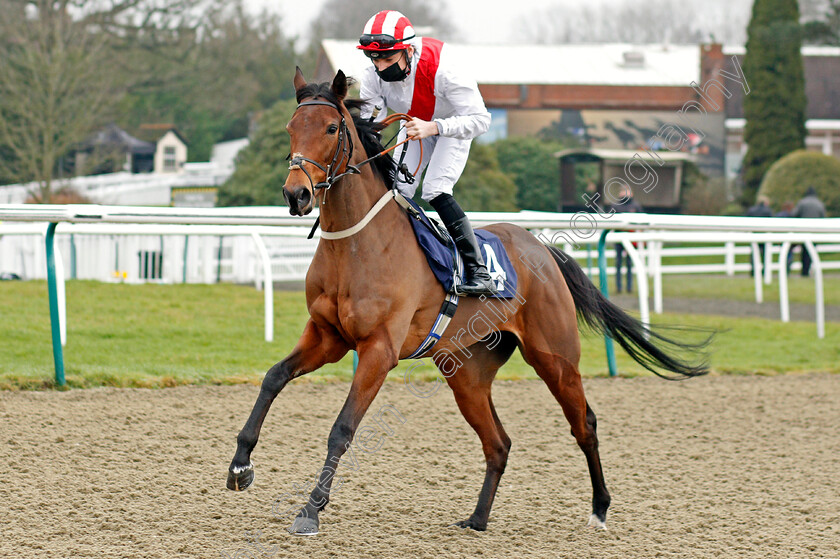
<point>394,73</point>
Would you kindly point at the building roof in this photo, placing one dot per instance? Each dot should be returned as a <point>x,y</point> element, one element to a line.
<point>224,153</point>
<point>152,132</point>
<point>585,64</point>
<point>113,136</point>
<point>807,50</point>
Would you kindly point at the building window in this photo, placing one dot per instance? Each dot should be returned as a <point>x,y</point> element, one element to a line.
<point>169,163</point>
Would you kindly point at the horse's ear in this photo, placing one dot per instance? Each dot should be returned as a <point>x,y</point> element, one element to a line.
<point>339,85</point>
<point>299,81</point>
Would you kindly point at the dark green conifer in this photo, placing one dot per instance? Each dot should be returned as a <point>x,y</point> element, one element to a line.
<point>775,106</point>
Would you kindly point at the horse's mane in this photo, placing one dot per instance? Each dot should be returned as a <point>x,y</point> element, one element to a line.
<point>369,132</point>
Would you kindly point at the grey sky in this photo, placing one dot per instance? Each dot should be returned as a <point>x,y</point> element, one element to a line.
<point>485,21</point>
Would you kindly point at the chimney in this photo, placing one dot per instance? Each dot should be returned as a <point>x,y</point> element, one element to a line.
<point>634,59</point>
<point>711,63</point>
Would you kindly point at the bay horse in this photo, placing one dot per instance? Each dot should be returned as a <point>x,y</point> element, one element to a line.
<point>372,291</point>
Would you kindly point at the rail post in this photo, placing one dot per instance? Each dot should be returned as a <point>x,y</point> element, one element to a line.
<point>58,353</point>
<point>602,276</point>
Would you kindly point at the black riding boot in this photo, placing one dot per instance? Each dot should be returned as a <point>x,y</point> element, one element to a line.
<point>477,280</point>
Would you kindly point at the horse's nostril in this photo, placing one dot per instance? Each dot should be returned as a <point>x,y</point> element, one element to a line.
<point>298,198</point>
<point>303,197</point>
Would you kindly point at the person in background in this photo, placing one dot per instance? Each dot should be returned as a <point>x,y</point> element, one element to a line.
<point>787,211</point>
<point>809,207</point>
<point>625,204</point>
<point>760,209</point>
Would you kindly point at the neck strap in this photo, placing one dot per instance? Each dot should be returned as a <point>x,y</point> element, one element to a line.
<point>349,232</point>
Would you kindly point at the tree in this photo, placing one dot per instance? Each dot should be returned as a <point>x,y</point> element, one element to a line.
<point>677,22</point>
<point>792,175</point>
<point>54,85</point>
<point>339,19</point>
<point>61,74</point>
<point>775,107</point>
<point>534,168</point>
<point>240,64</point>
<point>825,29</point>
<point>262,168</point>
<point>483,186</point>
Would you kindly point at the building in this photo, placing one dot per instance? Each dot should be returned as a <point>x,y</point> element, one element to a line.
<point>109,150</point>
<point>608,172</point>
<point>603,96</point>
<point>192,184</point>
<point>822,88</point>
<point>170,152</point>
<point>636,98</point>
<point>156,148</point>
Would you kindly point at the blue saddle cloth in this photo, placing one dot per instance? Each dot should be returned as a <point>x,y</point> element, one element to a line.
<point>441,258</point>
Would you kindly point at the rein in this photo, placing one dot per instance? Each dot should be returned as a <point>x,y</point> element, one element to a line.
<point>343,154</point>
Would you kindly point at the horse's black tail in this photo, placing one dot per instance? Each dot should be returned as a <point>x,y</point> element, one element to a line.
<point>646,346</point>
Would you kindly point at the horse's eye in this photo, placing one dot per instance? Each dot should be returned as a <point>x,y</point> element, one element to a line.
<point>332,129</point>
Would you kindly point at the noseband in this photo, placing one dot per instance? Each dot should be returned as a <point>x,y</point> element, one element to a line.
<point>343,153</point>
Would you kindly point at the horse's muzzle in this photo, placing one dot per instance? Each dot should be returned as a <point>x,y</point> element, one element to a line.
<point>299,199</point>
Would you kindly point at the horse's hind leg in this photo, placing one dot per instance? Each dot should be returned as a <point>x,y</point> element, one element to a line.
<point>471,386</point>
<point>563,380</point>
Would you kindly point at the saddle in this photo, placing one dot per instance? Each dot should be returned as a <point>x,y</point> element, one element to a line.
<point>443,258</point>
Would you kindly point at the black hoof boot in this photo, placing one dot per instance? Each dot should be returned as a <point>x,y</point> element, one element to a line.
<point>240,478</point>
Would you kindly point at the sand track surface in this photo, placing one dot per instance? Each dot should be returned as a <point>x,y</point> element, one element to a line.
<point>713,467</point>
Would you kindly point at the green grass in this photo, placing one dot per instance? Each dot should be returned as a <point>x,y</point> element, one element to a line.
<point>742,288</point>
<point>166,335</point>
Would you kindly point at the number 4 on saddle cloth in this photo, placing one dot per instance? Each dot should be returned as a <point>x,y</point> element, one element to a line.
<point>445,262</point>
<point>443,257</point>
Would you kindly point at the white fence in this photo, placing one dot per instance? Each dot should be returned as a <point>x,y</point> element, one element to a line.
<point>157,253</point>
<point>653,264</point>
<point>130,248</point>
<point>211,254</point>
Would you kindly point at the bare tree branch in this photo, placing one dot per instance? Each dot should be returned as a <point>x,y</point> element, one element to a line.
<point>65,65</point>
<point>654,21</point>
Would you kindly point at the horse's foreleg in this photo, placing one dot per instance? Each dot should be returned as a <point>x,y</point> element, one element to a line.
<point>376,358</point>
<point>316,347</point>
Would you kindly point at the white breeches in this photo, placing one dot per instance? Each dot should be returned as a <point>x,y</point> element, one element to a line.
<point>443,160</point>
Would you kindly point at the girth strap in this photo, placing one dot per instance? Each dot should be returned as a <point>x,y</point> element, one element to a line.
<point>447,311</point>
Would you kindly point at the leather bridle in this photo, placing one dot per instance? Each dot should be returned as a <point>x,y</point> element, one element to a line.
<point>343,154</point>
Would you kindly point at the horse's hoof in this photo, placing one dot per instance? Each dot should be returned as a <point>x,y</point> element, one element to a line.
<point>597,523</point>
<point>472,524</point>
<point>304,526</point>
<point>240,478</point>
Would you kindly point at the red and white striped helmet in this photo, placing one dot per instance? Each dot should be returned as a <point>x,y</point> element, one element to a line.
<point>387,30</point>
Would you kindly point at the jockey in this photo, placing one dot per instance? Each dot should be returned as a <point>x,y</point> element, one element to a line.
<point>416,76</point>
